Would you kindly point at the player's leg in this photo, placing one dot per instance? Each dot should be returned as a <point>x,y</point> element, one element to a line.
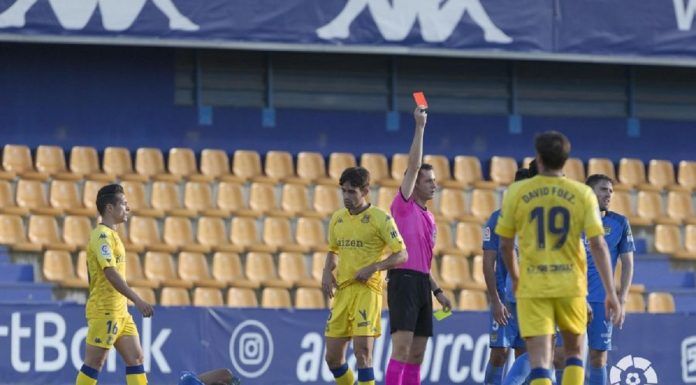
<point>128,346</point>
<point>405,302</point>
<point>499,344</point>
<point>338,332</point>
<point>366,326</point>
<point>401,347</point>
<point>362,348</point>
<point>415,359</point>
<point>98,344</point>
<point>219,377</point>
<point>599,334</point>
<point>336,360</point>
<point>520,369</point>
<point>422,331</point>
<point>536,321</point>
<point>571,316</point>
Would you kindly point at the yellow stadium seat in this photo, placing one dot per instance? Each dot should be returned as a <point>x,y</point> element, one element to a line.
<point>602,166</point>
<point>477,271</point>
<point>472,300</point>
<point>574,169</point>
<point>207,297</point>
<point>318,261</point>
<point>277,234</point>
<point>385,197</point>
<point>377,165</point>
<point>483,203</point>
<point>230,198</point>
<point>279,167</point>
<point>246,164</point>
<point>241,298</point>
<point>211,234</point>
<point>58,268</point>
<point>261,269</point>
<point>12,234</point>
<point>122,230</point>
<point>43,230</point>
<point>51,160</point>
<point>198,197</point>
<point>143,232</point>
<point>182,163</point>
<point>308,298</point>
<point>31,195</point>
<point>244,233</point>
<point>16,159</point>
<point>686,176</point>
<point>149,163</point>
<point>632,174</point>
<point>159,266</point>
<point>165,197</point>
<point>667,239</point>
<point>453,205</point>
<point>503,170</point>
<point>689,251</point>
<point>81,269</point>
<point>635,303</point>
<point>292,269</point>
<point>680,207</point>
<point>399,164</point>
<point>216,164</point>
<point>310,233</point>
<point>338,162</point>
<point>444,241</point>
<point>175,296</point>
<point>178,232</point>
<point>262,199</point>
<point>89,194</point>
<point>661,174</point>
<point>227,268</point>
<point>326,199</point>
<point>274,298</point>
<point>469,238</point>
<point>134,272</point>
<point>145,293</point>
<point>467,171</point>
<point>7,200</point>
<point>650,207</point>
<point>660,302</point>
<point>455,271</point>
<point>64,196</point>
<point>193,267</point>
<point>76,231</point>
<point>311,166</point>
<point>135,195</point>
<point>295,200</point>
<point>84,162</point>
<point>118,163</point>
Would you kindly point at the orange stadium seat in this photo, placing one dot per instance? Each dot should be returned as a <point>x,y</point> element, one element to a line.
<point>230,198</point>
<point>441,167</point>
<point>338,162</point>
<point>241,297</point>
<point>146,293</point>
<point>207,297</point>
<point>58,268</point>
<point>16,159</point>
<point>216,164</point>
<point>136,197</point>
<point>84,162</point>
<point>277,234</point>
<point>686,177</point>
<point>660,302</point>
<point>246,165</point>
<point>31,194</point>
<point>574,169</point>
<point>134,272</point>
<point>182,164</point>
<point>7,201</point>
<point>261,269</point>
<point>159,266</point>
<point>193,267</point>
<point>503,170</point>
<point>279,166</point>
<point>76,231</point>
<point>472,300</point>
<point>198,197</point>
<point>310,233</point>
<point>149,163</point>
<point>51,160</point>
<point>680,207</point>
<point>635,303</point>
<point>117,162</point>
<point>292,269</point>
<point>376,164</point>
<point>211,234</point>
<point>178,232</point>
<point>244,233</point>
<point>175,296</point>
<point>308,298</point>
<point>64,196</point>
<point>273,298</point>
<point>43,230</point>
<point>165,197</point>
<point>12,234</point>
<point>483,203</point>
<point>469,238</point>
<point>262,200</point>
<point>311,166</point>
<point>89,194</point>
<point>467,171</point>
<point>143,232</point>
<point>661,174</point>
<point>227,268</point>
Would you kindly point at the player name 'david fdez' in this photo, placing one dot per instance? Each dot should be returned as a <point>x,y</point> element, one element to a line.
<point>545,191</point>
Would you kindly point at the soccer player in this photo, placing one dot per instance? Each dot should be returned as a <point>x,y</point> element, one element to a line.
<point>549,213</point>
<point>108,322</point>
<point>410,284</point>
<point>358,236</point>
<point>503,331</point>
<point>617,234</point>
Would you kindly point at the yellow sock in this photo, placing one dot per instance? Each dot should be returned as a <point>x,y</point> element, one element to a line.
<point>574,373</point>
<point>87,376</point>
<point>366,376</point>
<point>541,381</point>
<point>135,375</point>
<point>343,375</point>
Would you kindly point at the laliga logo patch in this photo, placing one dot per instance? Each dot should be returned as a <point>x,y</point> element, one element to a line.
<point>633,371</point>
<point>251,348</point>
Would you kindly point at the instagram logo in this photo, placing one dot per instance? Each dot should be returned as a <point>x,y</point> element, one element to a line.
<point>251,348</point>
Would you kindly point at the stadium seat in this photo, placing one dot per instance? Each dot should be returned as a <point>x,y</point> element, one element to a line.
<point>165,197</point>
<point>193,267</point>
<point>338,162</point>
<point>689,251</point>
<point>527,161</point>
<point>134,272</point>
<point>399,164</point>
<point>211,234</point>
<point>295,200</point>
<point>661,175</point>
<point>50,160</point>
<point>686,176</point>
<point>159,266</point>
<point>574,169</point>
<point>449,294</point>
<point>64,196</point>
<point>135,195</point>
<point>503,170</point>
<point>455,271</point>
<point>635,303</point>
<point>58,268</point>
<point>472,300</point>
<point>469,238</point>
<point>246,164</point>
<point>43,230</point>
<point>143,232</point>
<point>602,166</point>
<point>467,171</point>
<point>318,261</point>
<point>292,269</point>
<point>12,234</point>
<point>244,233</point>
<point>311,166</point>
<point>621,203</point>
<point>483,203</point>
<point>89,194</point>
<point>310,233</point>
<point>326,199</point>
<point>198,197</point>
<point>277,234</point>
<point>207,297</point>
<point>279,167</point>
<point>650,207</point>
<point>182,164</point>
<point>174,296</point>
<point>118,163</point>
<point>441,167</point>
<point>149,163</point>
<point>660,302</point>
<point>122,230</point>
<point>477,271</point>
<point>453,205</point>
<point>275,298</point>
<point>309,298</point>
<point>31,195</point>
<point>230,198</point>
<point>262,200</point>
<point>76,231</point>
<point>227,268</point>
<point>239,297</point>
<point>680,207</point>
<point>261,269</point>
<point>667,239</point>
<point>81,269</point>
<point>216,164</point>
<point>7,200</point>
<point>16,160</point>
<point>84,162</point>
<point>632,174</point>
<point>444,241</point>
<point>178,232</point>
<point>376,164</point>
<point>435,273</point>
<point>145,293</point>
<point>385,197</point>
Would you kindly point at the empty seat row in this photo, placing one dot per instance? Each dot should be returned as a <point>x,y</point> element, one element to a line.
<point>650,209</point>
<point>668,240</point>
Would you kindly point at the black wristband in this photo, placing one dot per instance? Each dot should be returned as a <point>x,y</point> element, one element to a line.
<point>437,291</point>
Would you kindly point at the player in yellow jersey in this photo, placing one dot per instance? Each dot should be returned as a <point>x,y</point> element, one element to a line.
<point>108,322</point>
<point>358,236</point>
<point>549,213</point>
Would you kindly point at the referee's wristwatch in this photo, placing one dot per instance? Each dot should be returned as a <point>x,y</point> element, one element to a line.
<point>437,291</point>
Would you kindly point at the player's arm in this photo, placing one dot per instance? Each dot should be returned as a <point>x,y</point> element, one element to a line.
<point>600,254</point>
<point>440,296</point>
<point>415,154</point>
<point>500,312</point>
<point>507,248</point>
<point>626,275</point>
<point>122,287</point>
<point>393,260</point>
<point>328,280</point>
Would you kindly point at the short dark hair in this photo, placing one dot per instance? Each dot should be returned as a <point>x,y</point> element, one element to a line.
<point>553,149</point>
<point>356,176</point>
<point>521,174</point>
<point>107,195</point>
<point>533,169</point>
<point>594,179</point>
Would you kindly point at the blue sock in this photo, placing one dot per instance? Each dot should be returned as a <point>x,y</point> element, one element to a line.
<point>494,375</point>
<point>558,376</point>
<point>598,376</point>
<point>519,371</point>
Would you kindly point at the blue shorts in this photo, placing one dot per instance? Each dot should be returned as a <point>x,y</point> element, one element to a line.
<point>507,336</point>
<point>189,378</point>
<point>600,328</point>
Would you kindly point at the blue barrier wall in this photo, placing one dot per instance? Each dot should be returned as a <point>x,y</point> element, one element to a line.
<point>44,344</point>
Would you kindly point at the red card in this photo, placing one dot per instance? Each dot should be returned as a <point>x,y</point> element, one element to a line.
<point>419,98</point>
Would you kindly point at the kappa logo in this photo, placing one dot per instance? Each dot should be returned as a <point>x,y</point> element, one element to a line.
<point>396,18</point>
<point>363,314</point>
<point>116,15</point>
<point>633,371</point>
<point>102,236</point>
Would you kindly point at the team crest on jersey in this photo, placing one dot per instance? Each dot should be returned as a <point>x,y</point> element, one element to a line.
<point>607,230</point>
<point>365,219</point>
<point>487,234</point>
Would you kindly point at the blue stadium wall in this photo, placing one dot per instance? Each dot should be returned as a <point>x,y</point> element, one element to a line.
<point>124,96</point>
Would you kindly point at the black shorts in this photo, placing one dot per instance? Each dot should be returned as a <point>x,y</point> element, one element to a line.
<point>410,302</point>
